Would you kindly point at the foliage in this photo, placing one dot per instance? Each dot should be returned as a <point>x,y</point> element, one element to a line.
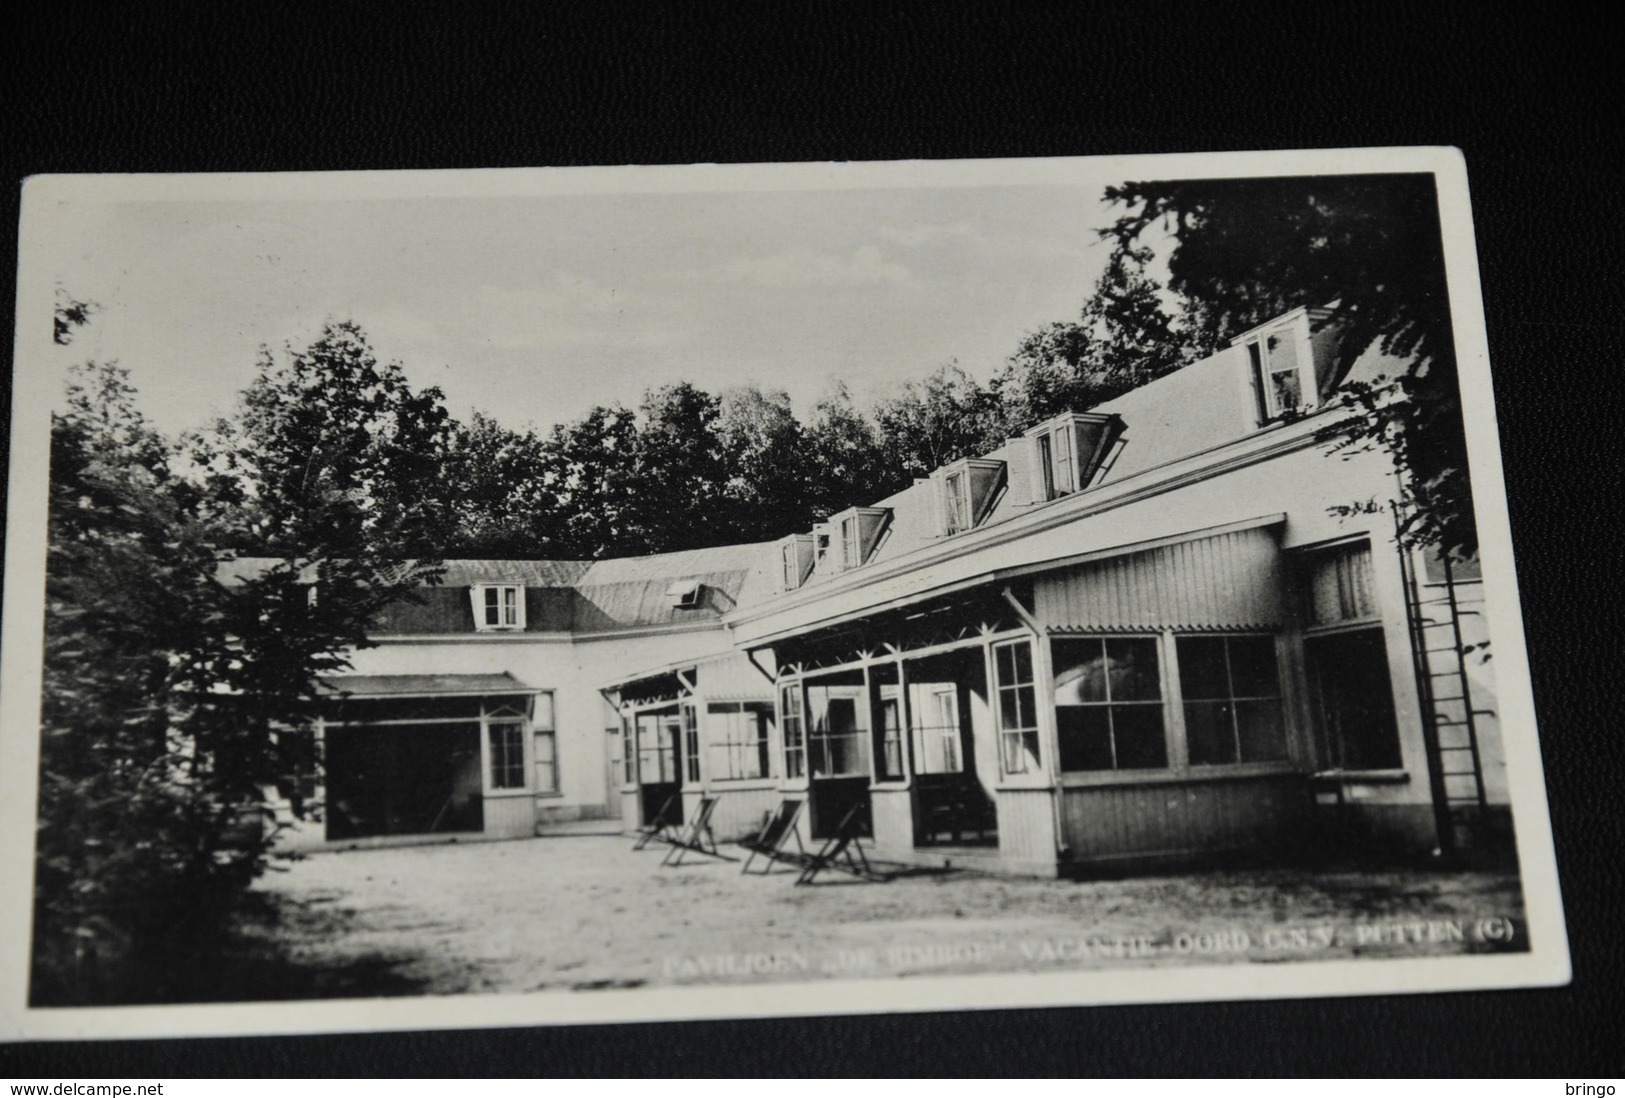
<point>943,417</point>
<point>1247,250</point>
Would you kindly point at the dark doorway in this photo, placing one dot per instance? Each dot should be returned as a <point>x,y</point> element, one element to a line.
<point>403,780</point>
<point>838,752</point>
<point>947,697</point>
<point>660,786</point>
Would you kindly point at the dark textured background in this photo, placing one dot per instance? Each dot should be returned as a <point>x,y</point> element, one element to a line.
<point>238,87</point>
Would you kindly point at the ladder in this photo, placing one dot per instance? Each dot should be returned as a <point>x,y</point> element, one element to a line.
<point>1445,694</point>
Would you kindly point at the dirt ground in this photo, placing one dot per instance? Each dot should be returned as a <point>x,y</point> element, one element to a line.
<point>589,912</point>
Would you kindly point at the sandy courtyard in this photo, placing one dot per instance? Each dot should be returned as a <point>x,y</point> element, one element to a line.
<point>589,912</point>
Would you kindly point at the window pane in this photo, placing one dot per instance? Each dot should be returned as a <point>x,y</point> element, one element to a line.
<point>1080,672</point>
<point>1084,732</point>
<point>1201,668</point>
<point>1355,699</point>
<point>1208,734</point>
<point>1140,743</point>
<point>1252,667</point>
<point>1261,730</point>
<point>1133,669</point>
<point>1010,709</point>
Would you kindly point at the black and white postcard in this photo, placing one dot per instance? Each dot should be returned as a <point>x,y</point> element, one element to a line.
<point>582,595</point>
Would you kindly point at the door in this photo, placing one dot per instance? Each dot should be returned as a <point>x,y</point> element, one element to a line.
<point>838,758</point>
<point>659,767</point>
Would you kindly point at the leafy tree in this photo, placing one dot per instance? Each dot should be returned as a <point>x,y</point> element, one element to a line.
<point>765,452</point>
<point>1247,250</point>
<point>681,470</point>
<point>498,488</point>
<point>847,465</point>
<point>943,417</point>
<point>330,445</point>
<point>592,469</point>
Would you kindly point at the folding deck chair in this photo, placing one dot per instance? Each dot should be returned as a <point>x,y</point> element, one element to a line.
<point>696,837</point>
<point>842,852</point>
<point>662,826</point>
<point>771,842</point>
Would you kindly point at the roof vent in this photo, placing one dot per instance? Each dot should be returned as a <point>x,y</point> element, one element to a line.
<point>686,594</point>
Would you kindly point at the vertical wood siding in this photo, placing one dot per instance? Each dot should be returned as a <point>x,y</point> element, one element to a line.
<point>893,814</point>
<point>739,812</point>
<point>510,817</point>
<point>1125,820</point>
<point>1228,581</point>
<point>1027,824</point>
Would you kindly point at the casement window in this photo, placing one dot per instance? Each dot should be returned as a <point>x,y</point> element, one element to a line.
<point>795,561</point>
<point>956,502</point>
<point>837,740</point>
<point>935,708</point>
<point>629,751</point>
<point>1017,706</point>
<point>544,740</point>
<point>1068,452</point>
<point>889,719</point>
<point>658,748</point>
<point>792,720</point>
<point>851,543</point>
<point>1231,689</point>
<point>505,738</point>
<point>1282,367</point>
<point>498,606</point>
<point>691,742</point>
<point>824,558</point>
<point>739,734</point>
<point>1108,704</point>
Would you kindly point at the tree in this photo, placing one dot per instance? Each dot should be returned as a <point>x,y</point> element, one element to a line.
<point>681,470</point>
<point>331,446</point>
<point>1369,247</point>
<point>591,467</point>
<point>943,417</point>
<point>765,452</point>
<point>846,463</point>
<point>496,483</point>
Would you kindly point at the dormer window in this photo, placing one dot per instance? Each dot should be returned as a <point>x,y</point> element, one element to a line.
<point>498,607</point>
<point>966,490</point>
<point>795,561</point>
<point>824,560</point>
<point>1069,450</point>
<point>859,530</point>
<point>1281,366</point>
<point>686,594</point>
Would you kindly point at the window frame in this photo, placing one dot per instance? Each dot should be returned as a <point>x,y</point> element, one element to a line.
<point>500,761</point>
<point>722,740</point>
<point>1256,343</point>
<point>1184,700</point>
<point>1165,700</point>
<point>543,725</point>
<point>793,730</point>
<point>1028,737</point>
<point>504,608</point>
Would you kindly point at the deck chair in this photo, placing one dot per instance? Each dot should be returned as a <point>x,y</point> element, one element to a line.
<point>773,840</point>
<point>696,837</point>
<point>663,827</point>
<point>842,852</point>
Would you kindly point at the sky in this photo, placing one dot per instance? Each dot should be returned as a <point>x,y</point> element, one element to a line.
<point>535,307</point>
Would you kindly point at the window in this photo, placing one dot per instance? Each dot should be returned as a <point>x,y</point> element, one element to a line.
<point>851,543</point>
<point>1017,708</point>
<point>686,594</point>
<point>507,743</point>
<point>1232,694</point>
<point>738,734</point>
<point>1340,586</point>
<point>629,755</point>
<point>545,741</point>
<point>498,606</point>
<point>1278,358</point>
<point>837,742</point>
<point>1108,704</point>
<point>1069,451</point>
<point>1353,699</point>
<point>795,747</point>
<point>956,502</point>
<point>936,732</point>
<point>890,720</point>
<point>823,557</point>
<point>691,743</point>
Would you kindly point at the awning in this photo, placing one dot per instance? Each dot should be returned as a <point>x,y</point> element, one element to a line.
<point>423,686</point>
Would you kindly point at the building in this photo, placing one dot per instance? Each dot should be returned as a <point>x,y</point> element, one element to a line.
<point>1170,626</point>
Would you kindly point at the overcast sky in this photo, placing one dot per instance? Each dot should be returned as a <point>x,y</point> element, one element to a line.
<point>534,308</point>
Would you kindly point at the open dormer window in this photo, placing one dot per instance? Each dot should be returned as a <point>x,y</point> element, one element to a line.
<point>824,559</point>
<point>859,530</point>
<point>795,561</point>
<point>966,490</point>
<point>498,607</point>
<point>1068,451</point>
<point>1281,366</point>
<point>686,594</point>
